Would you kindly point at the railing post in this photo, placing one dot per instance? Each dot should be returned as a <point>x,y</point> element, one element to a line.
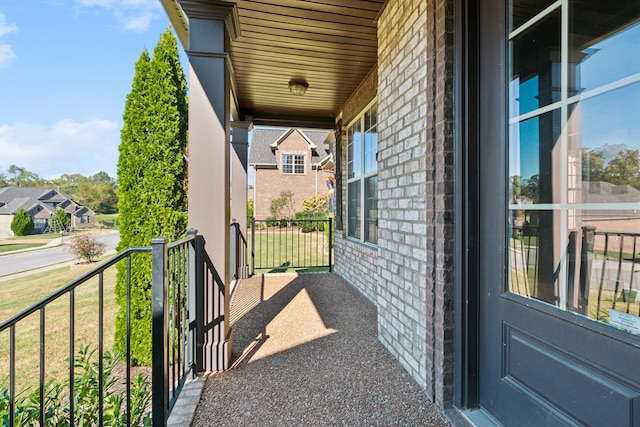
<point>253,246</point>
<point>330,244</point>
<point>571,270</point>
<point>586,260</point>
<point>191,302</point>
<point>160,374</point>
<point>200,302</point>
<point>233,250</point>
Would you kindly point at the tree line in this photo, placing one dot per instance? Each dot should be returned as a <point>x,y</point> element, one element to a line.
<point>623,168</point>
<point>99,191</point>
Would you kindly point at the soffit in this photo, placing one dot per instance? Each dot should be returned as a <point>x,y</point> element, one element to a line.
<point>330,44</point>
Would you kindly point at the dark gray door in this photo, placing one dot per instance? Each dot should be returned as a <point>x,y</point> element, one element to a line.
<point>559,149</point>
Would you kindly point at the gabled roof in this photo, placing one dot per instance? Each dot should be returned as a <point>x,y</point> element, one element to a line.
<point>12,199</point>
<point>82,211</point>
<point>264,143</point>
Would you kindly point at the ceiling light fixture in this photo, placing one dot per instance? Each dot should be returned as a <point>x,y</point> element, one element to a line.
<point>298,87</point>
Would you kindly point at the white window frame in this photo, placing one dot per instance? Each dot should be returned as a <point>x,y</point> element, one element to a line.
<point>297,164</point>
<point>362,178</point>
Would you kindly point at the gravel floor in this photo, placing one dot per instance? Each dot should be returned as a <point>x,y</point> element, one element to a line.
<point>306,354</point>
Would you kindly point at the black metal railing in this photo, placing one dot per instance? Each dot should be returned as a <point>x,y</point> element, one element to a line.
<point>611,269</point>
<point>601,269</point>
<point>279,245</point>
<point>239,260</point>
<point>68,291</point>
<point>187,302</point>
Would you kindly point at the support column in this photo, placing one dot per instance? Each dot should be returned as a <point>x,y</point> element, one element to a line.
<point>239,180</point>
<point>210,27</point>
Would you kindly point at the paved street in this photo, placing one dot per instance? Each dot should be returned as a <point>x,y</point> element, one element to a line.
<point>29,260</point>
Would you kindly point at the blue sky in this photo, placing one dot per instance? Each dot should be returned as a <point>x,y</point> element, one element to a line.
<point>66,67</point>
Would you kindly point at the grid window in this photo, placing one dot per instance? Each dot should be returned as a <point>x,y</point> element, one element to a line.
<point>292,164</point>
<point>574,156</point>
<point>362,175</point>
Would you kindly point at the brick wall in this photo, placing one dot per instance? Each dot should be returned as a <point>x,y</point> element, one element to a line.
<point>356,262</point>
<point>358,265</point>
<point>415,180</point>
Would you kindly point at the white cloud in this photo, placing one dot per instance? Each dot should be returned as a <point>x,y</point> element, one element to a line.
<point>6,51</point>
<point>134,15</point>
<point>65,147</point>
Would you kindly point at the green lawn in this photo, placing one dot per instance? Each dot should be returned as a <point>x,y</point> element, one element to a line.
<point>36,236</point>
<point>280,249</point>
<point>102,219</point>
<point>18,246</point>
<point>18,294</point>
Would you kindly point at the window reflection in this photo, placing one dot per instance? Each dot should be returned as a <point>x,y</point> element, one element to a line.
<point>574,157</point>
<point>535,66</point>
<point>533,143</point>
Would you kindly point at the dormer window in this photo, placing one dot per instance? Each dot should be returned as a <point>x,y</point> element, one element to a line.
<point>293,163</point>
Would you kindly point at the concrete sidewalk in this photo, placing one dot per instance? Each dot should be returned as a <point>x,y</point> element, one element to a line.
<point>306,353</point>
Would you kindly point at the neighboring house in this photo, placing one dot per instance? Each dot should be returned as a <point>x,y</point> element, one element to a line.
<point>41,204</point>
<point>289,159</point>
<point>435,104</point>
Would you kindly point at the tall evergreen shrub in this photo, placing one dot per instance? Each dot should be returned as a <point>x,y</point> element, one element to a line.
<point>22,223</point>
<point>152,175</point>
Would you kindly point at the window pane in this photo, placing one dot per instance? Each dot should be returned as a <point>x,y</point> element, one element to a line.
<point>287,163</point>
<point>371,209</point>
<point>533,159</point>
<point>299,164</point>
<point>605,50</point>
<point>370,150</point>
<point>355,150</point>
<point>535,66</point>
<point>574,171</point>
<point>354,209</point>
<point>606,129</point>
<point>523,10</point>
<point>350,152</point>
<point>535,257</point>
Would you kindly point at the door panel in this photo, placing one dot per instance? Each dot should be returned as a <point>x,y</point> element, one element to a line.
<point>557,309</point>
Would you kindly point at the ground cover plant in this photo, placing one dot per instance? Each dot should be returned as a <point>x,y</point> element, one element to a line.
<point>86,397</point>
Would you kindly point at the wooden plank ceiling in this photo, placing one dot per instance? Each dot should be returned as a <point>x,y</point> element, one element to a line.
<point>330,44</point>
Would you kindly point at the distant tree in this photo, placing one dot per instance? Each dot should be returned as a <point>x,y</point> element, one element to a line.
<point>592,165</point>
<point>22,224</point>
<point>624,169</point>
<point>68,183</point>
<point>152,175</point>
<point>318,203</point>
<point>282,207</point>
<point>516,185</point>
<point>3,180</point>
<point>24,178</point>
<point>59,221</point>
<point>86,247</point>
<point>101,178</point>
<point>530,186</point>
<point>102,198</point>
<point>16,171</point>
<point>250,211</point>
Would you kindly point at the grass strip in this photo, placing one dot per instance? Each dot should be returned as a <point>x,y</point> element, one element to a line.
<point>19,246</point>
